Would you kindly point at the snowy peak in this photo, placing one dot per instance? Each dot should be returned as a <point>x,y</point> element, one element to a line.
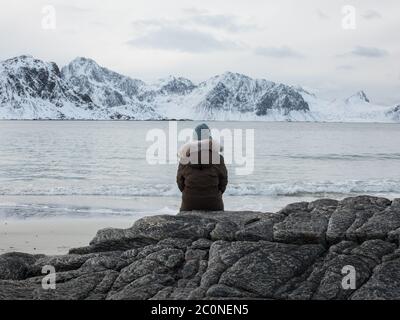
<point>85,68</point>
<point>232,77</point>
<point>33,89</point>
<point>231,80</point>
<point>283,98</point>
<point>238,84</point>
<point>24,78</point>
<point>83,89</point>
<point>23,67</point>
<point>394,113</point>
<point>84,62</point>
<point>236,92</point>
<point>173,85</point>
<point>304,91</point>
<point>358,97</point>
<point>25,61</point>
<point>105,87</point>
<point>119,96</point>
<point>80,66</point>
<point>363,96</point>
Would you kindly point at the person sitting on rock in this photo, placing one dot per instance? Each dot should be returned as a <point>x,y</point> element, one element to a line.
<point>202,176</point>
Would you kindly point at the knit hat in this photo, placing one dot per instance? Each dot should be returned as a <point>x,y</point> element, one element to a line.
<point>202,132</point>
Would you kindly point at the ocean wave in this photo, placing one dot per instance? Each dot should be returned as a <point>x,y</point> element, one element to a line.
<point>234,189</point>
<point>343,157</point>
<point>317,187</point>
<point>51,211</point>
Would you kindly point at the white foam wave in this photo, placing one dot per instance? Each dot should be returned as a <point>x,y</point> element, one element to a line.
<point>234,189</point>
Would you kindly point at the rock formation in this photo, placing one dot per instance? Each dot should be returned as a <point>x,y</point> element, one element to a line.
<point>297,253</point>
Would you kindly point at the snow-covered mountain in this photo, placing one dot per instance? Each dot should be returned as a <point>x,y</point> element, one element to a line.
<point>360,96</point>
<point>232,96</point>
<point>394,113</point>
<point>119,95</point>
<point>34,89</point>
<point>30,89</point>
<point>356,108</point>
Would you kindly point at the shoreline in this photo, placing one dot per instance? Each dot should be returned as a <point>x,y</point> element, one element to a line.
<point>56,235</point>
<point>53,236</point>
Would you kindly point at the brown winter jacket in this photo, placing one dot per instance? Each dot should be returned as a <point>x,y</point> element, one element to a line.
<point>202,177</point>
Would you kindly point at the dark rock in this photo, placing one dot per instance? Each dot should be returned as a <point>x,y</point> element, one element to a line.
<point>298,253</point>
<point>259,229</point>
<point>224,230</point>
<point>16,266</point>
<point>305,223</point>
<point>351,214</point>
<point>264,269</point>
<point>384,283</point>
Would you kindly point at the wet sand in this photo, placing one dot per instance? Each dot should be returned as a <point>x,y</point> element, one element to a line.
<point>52,236</point>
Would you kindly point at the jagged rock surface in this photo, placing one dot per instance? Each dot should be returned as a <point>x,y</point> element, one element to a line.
<point>296,253</point>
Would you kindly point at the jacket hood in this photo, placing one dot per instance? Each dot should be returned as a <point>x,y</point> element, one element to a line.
<point>198,146</point>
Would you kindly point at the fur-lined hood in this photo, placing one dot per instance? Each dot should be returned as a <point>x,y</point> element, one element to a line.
<point>196,146</point>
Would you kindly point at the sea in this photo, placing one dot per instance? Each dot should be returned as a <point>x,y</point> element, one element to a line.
<point>101,169</point>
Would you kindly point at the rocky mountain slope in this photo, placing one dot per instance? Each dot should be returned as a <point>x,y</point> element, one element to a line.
<point>299,252</point>
<point>235,97</point>
<point>121,97</point>
<point>34,89</point>
<point>394,113</point>
<point>31,88</point>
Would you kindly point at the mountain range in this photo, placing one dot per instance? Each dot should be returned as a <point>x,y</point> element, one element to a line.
<point>34,89</point>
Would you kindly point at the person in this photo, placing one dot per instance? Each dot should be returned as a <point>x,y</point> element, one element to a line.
<point>202,176</point>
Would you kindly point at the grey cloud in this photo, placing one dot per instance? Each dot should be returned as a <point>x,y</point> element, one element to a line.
<point>72,8</point>
<point>194,10</point>
<point>345,67</point>
<point>220,21</point>
<point>322,14</point>
<point>199,18</point>
<point>151,23</point>
<point>181,39</point>
<point>278,52</point>
<point>371,14</point>
<point>369,52</point>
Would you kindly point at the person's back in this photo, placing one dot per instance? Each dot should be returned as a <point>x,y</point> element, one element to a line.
<point>202,175</point>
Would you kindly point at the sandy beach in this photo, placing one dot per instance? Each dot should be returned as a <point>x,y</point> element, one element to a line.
<point>52,236</point>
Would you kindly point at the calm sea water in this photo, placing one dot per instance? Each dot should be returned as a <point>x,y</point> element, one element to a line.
<point>99,169</point>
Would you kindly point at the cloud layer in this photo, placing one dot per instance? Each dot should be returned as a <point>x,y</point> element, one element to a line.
<point>182,39</point>
<point>197,31</point>
<point>278,52</point>
<point>369,52</point>
<point>371,14</point>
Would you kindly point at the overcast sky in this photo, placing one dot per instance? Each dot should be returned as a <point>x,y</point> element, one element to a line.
<point>309,42</point>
